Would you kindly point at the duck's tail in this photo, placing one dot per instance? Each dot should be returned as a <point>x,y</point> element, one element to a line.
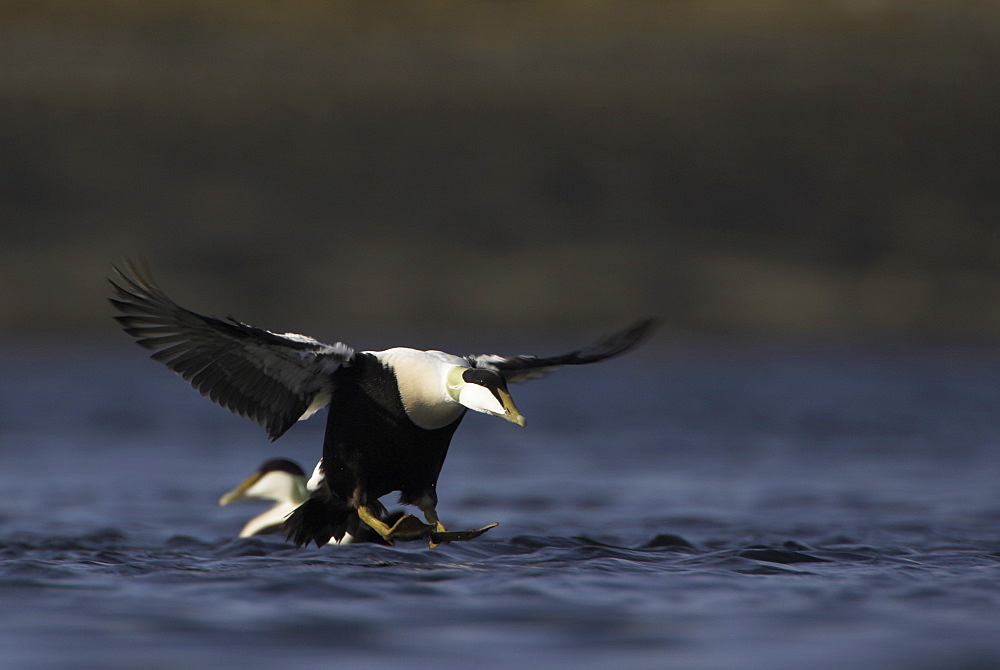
<point>323,517</point>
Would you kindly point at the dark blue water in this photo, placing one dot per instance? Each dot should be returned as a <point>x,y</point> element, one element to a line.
<point>716,507</point>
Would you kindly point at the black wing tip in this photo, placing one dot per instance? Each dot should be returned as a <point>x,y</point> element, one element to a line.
<point>623,340</point>
<point>134,285</point>
<point>643,328</point>
<point>276,432</point>
<point>133,271</point>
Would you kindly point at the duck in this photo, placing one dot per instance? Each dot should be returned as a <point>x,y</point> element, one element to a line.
<point>390,415</point>
<point>284,482</point>
<point>277,479</point>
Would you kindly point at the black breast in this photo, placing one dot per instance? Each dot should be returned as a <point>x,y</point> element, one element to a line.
<point>372,448</point>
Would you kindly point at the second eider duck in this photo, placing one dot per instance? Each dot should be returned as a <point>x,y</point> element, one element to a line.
<point>284,483</point>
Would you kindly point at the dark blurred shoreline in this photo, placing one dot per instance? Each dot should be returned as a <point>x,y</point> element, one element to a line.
<point>739,169</point>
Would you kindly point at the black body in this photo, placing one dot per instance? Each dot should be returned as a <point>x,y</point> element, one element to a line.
<point>371,449</point>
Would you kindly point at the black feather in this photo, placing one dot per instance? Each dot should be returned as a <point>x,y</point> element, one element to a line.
<point>255,373</point>
<point>521,368</point>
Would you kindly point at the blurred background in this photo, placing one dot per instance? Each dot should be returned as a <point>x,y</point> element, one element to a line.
<point>762,169</point>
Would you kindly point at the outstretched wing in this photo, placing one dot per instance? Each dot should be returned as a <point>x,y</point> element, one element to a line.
<point>273,379</point>
<point>522,368</point>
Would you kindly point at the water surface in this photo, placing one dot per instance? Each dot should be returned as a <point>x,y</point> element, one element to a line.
<point>716,507</point>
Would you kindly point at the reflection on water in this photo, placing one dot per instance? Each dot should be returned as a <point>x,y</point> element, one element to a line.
<point>717,508</point>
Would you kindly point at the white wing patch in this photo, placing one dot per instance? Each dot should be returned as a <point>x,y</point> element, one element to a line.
<point>317,478</point>
<point>338,349</point>
<point>319,401</point>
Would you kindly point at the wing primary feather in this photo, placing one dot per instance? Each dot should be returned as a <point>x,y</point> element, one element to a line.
<point>264,376</point>
<point>523,368</point>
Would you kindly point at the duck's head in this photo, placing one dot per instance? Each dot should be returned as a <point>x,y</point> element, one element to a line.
<point>483,391</point>
<point>278,479</point>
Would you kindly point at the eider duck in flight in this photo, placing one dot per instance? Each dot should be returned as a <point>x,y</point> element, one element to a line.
<point>392,413</point>
<point>284,482</point>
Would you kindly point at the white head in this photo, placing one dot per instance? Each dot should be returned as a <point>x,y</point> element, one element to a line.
<point>483,391</point>
<point>277,479</point>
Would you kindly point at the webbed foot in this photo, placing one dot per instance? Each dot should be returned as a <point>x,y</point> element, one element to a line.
<point>409,528</point>
<point>442,536</point>
<point>405,526</point>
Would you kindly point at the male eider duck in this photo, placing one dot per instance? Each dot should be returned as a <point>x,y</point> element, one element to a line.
<point>280,480</point>
<point>392,413</point>
<point>284,482</point>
